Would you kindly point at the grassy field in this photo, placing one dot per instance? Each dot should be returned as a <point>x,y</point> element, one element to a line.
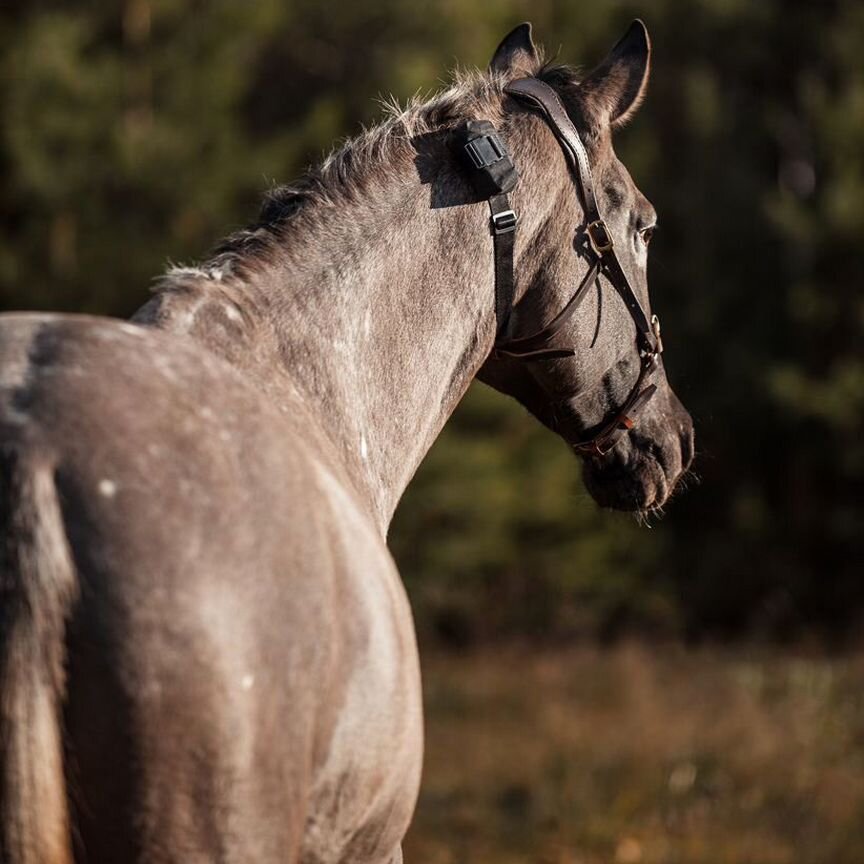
<point>639,755</point>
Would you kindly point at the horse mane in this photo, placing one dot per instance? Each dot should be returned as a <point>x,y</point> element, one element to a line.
<point>347,172</point>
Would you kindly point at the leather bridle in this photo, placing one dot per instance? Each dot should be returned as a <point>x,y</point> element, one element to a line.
<point>495,176</point>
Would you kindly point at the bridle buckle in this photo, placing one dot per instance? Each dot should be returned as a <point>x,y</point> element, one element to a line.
<point>601,239</point>
<point>655,326</point>
<point>504,222</point>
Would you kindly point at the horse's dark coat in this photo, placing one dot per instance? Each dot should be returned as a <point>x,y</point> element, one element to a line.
<point>194,505</point>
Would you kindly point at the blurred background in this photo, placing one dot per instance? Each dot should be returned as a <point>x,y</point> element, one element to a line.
<point>596,690</point>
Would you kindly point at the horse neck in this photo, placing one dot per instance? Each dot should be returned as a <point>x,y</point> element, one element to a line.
<point>373,302</point>
<point>384,327</point>
<point>376,308</point>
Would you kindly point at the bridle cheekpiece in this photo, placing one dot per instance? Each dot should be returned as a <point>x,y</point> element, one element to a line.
<point>494,176</point>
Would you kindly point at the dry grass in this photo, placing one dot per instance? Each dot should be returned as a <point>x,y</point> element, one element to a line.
<point>642,756</point>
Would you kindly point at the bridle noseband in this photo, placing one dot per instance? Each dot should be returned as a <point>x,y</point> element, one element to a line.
<point>494,176</point>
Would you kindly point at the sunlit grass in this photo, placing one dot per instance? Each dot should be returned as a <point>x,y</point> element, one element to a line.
<point>642,756</point>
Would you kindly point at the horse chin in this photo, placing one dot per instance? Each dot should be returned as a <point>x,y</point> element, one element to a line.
<point>639,484</point>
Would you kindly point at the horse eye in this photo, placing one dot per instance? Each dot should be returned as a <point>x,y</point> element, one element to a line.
<point>647,233</point>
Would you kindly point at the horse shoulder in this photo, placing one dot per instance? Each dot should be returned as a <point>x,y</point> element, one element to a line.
<point>231,575</point>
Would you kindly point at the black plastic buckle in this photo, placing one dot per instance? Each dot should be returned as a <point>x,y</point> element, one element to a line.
<point>504,222</point>
<point>485,150</point>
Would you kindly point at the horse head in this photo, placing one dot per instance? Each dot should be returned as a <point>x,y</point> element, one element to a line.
<point>597,377</point>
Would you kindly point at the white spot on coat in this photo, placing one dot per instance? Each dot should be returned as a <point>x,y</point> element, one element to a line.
<point>364,448</point>
<point>132,329</point>
<point>186,318</point>
<point>247,682</point>
<point>108,488</point>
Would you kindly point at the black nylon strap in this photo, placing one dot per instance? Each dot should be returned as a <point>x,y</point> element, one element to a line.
<point>493,175</point>
<point>502,223</point>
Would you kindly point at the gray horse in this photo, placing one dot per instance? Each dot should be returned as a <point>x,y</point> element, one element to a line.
<point>206,652</point>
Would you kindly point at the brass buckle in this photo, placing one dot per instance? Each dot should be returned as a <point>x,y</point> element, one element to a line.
<point>603,244</point>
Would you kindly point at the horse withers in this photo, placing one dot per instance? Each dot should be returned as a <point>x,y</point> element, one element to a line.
<point>206,652</point>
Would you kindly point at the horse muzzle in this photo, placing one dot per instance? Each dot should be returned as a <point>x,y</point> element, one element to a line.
<point>642,471</point>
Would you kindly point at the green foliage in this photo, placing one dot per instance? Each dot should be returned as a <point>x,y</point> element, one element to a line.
<point>137,131</point>
<point>496,536</point>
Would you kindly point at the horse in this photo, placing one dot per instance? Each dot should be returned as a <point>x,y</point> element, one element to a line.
<point>206,651</point>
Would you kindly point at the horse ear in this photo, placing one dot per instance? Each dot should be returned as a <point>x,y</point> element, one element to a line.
<point>617,86</point>
<point>517,55</point>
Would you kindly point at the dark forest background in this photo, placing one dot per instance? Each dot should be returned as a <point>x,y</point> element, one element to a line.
<point>140,132</point>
